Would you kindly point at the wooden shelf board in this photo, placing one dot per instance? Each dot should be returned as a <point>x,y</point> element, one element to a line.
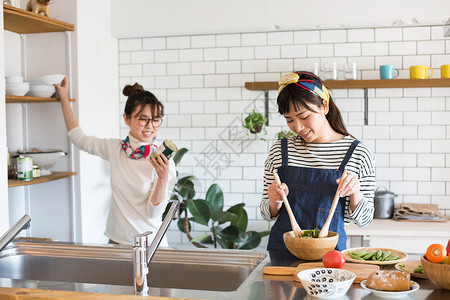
<point>29,99</point>
<point>361,84</point>
<point>42,179</point>
<point>21,21</point>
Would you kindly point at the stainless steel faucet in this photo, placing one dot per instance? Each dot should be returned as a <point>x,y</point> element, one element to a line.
<point>9,235</point>
<point>143,254</point>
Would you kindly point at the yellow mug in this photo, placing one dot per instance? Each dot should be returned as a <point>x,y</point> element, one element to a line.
<point>445,71</point>
<point>419,72</point>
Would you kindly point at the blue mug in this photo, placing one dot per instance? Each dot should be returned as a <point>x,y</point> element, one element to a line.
<point>387,72</point>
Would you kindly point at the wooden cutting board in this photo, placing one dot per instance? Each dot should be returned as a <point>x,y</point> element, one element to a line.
<point>362,271</point>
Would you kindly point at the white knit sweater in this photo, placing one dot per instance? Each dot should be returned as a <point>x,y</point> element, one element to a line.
<point>132,184</point>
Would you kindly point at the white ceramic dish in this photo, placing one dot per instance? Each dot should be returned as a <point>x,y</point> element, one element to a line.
<point>41,93</point>
<point>326,283</point>
<point>42,87</point>
<point>45,158</point>
<point>48,79</point>
<point>13,79</point>
<point>390,295</point>
<point>16,91</point>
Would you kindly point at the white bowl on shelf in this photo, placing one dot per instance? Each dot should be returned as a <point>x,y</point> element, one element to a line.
<point>48,79</point>
<point>41,90</point>
<point>15,92</point>
<point>45,158</point>
<point>13,79</point>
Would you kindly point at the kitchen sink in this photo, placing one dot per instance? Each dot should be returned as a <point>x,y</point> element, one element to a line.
<point>207,270</point>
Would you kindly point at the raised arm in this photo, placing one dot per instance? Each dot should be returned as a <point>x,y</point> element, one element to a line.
<point>63,92</point>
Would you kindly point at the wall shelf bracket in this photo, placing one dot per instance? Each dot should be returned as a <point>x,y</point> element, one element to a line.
<point>366,106</point>
<point>266,106</point>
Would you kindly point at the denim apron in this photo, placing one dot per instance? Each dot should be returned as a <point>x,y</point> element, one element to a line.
<point>311,193</point>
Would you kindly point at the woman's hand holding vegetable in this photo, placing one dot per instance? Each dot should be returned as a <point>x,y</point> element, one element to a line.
<point>351,187</point>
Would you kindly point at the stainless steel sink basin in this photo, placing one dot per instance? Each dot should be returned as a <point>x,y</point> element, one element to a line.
<point>208,270</point>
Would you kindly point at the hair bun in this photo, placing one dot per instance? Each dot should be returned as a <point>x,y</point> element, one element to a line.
<point>130,89</point>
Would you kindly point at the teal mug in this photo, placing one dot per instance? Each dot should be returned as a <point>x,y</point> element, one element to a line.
<point>387,72</point>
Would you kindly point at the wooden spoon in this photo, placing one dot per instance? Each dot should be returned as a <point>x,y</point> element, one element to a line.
<point>295,228</point>
<point>324,231</point>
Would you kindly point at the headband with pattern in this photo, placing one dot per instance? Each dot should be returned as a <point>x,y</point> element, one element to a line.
<point>306,82</point>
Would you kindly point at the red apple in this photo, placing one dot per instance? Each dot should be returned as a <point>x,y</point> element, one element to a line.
<point>333,259</point>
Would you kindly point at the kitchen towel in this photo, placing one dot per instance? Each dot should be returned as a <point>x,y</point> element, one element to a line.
<point>418,212</point>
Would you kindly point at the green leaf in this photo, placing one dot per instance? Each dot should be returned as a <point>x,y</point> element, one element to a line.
<point>179,155</point>
<point>242,218</point>
<point>251,240</point>
<point>180,224</point>
<point>264,233</point>
<point>223,216</point>
<point>225,244</point>
<point>203,238</point>
<point>185,187</point>
<point>214,196</point>
<point>200,211</point>
<point>230,234</point>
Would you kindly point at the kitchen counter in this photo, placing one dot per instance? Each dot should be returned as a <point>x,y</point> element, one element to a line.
<point>398,234</point>
<point>257,287</point>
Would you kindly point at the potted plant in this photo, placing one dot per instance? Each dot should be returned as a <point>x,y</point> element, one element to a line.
<point>285,134</point>
<point>228,228</point>
<point>254,122</point>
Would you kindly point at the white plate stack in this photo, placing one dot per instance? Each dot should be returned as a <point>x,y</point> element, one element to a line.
<point>15,86</point>
<point>44,86</point>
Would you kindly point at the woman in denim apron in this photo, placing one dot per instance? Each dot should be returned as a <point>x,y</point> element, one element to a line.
<point>310,113</point>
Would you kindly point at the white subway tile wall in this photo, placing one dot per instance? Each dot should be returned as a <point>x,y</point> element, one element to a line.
<point>200,79</point>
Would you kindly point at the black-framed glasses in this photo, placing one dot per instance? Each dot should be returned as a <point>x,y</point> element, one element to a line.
<point>144,121</point>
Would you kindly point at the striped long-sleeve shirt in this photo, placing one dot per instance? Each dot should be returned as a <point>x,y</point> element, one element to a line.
<point>327,156</point>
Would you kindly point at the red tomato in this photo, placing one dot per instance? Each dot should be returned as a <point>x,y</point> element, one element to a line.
<point>333,259</point>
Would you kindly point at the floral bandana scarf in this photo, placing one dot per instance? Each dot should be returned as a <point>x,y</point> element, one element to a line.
<point>306,81</point>
<point>141,152</point>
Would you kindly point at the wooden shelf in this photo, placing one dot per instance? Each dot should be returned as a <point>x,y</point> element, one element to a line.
<point>21,21</point>
<point>42,179</point>
<point>361,84</point>
<point>29,99</point>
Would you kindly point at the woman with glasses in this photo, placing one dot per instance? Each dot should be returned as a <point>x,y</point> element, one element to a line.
<point>141,182</point>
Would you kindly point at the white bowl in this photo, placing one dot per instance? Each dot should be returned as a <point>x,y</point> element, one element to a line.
<point>40,93</point>
<point>16,91</point>
<point>13,79</point>
<point>326,283</point>
<point>18,85</point>
<point>45,158</point>
<point>42,87</point>
<point>48,79</point>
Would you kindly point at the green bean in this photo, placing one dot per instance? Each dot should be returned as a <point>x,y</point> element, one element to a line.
<point>385,255</point>
<point>419,269</point>
<point>368,256</point>
<point>378,255</point>
<point>359,253</point>
<point>355,256</point>
<point>392,257</point>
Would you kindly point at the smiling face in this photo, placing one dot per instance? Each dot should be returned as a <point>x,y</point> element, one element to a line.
<point>144,133</point>
<point>311,126</point>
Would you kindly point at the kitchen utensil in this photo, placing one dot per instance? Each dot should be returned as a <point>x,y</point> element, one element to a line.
<point>361,271</point>
<point>445,71</point>
<point>384,203</point>
<point>402,256</point>
<point>310,248</point>
<point>438,273</point>
<point>391,295</point>
<point>326,282</point>
<point>297,230</point>
<point>324,231</point>
<point>410,266</point>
